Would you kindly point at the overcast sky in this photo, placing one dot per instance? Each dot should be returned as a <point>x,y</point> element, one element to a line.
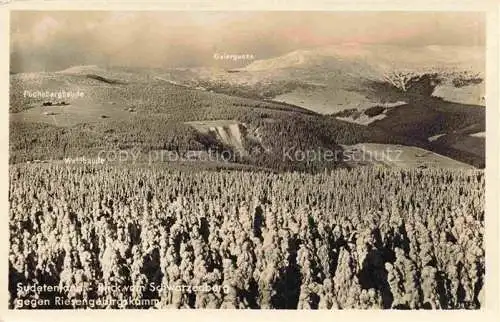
<point>45,40</point>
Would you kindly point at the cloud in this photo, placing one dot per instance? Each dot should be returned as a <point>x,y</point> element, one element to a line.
<point>46,40</point>
<point>45,28</point>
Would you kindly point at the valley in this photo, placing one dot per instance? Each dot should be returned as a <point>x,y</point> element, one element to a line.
<point>313,99</point>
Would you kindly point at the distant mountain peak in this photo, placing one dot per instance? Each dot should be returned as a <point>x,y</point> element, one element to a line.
<point>380,57</point>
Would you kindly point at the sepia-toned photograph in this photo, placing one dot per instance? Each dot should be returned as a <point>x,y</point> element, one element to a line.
<point>289,160</point>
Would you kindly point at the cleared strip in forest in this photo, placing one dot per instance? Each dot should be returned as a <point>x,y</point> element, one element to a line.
<point>228,132</point>
<point>400,156</point>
